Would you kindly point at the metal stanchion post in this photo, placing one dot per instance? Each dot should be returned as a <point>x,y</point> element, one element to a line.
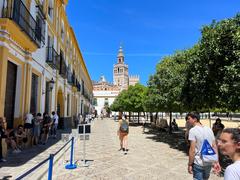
<point>50,169</point>
<point>71,165</point>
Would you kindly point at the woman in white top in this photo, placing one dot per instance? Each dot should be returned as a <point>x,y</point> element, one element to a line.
<point>229,144</point>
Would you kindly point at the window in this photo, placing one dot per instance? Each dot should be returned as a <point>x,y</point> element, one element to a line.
<point>50,8</point>
<point>95,102</point>
<point>106,102</point>
<point>62,31</point>
<point>34,94</point>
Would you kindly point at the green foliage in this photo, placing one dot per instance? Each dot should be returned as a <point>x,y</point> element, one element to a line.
<point>204,77</point>
<point>130,100</point>
<point>165,87</point>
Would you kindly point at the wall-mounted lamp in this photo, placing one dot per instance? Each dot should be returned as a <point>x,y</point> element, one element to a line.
<point>51,84</point>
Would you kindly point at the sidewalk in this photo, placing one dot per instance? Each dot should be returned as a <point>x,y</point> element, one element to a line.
<point>19,163</point>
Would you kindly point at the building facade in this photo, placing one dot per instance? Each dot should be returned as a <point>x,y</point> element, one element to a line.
<point>104,92</point>
<point>41,65</point>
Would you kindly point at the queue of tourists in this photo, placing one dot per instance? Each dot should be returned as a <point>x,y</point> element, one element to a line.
<point>35,130</point>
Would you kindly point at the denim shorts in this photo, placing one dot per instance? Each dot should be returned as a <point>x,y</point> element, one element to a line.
<point>201,172</point>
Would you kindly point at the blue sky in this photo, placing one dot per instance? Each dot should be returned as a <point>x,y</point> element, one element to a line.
<point>147,29</point>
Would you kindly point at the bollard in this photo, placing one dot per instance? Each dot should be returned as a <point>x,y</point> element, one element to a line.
<point>71,165</point>
<point>50,169</point>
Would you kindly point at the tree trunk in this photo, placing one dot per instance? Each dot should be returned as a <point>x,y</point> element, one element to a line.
<point>129,116</point>
<point>209,117</point>
<point>151,117</point>
<point>170,123</point>
<point>138,117</point>
<point>156,116</point>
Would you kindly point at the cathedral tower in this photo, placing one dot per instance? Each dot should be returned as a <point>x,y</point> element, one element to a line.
<point>120,71</point>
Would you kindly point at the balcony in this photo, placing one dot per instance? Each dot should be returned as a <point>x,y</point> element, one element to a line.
<point>70,77</point>
<point>52,57</point>
<point>78,86</point>
<point>16,11</point>
<point>62,68</point>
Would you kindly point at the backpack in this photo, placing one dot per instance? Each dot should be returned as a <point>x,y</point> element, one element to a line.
<point>124,126</point>
<point>208,155</point>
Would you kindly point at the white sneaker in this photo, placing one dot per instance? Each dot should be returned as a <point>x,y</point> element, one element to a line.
<point>16,151</point>
<point>3,160</point>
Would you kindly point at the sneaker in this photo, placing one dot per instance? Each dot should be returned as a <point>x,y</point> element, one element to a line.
<point>3,160</point>
<point>18,150</point>
<point>123,149</point>
<point>15,151</point>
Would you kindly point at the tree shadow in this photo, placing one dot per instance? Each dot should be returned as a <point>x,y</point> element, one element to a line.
<point>175,140</point>
<point>15,160</point>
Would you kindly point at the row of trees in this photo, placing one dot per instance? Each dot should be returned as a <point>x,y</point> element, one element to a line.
<point>204,78</point>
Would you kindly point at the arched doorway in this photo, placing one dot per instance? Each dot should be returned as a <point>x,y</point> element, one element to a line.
<point>60,108</point>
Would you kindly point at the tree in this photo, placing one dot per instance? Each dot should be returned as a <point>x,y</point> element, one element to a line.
<point>167,83</point>
<point>136,95</point>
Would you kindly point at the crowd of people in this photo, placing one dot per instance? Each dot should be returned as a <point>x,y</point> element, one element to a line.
<point>35,130</point>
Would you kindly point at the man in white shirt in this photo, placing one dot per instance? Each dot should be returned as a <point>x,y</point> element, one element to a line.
<point>197,134</point>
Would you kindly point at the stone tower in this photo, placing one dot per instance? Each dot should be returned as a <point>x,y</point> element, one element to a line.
<point>120,71</point>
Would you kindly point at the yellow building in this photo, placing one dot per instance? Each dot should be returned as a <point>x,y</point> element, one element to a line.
<point>41,65</point>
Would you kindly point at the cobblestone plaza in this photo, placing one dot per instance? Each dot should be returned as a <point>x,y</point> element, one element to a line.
<point>149,157</point>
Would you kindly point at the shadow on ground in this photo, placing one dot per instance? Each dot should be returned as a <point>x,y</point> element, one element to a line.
<point>175,140</point>
<point>15,160</point>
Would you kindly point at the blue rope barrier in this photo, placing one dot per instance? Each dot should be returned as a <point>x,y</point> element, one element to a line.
<point>62,147</point>
<point>31,170</point>
<point>50,163</point>
<point>71,165</point>
<point>50,169</point>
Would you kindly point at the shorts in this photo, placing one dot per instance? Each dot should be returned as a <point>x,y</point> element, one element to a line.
<point>28,126</point>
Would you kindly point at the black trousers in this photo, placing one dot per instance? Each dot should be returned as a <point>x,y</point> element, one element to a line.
<point>1,148</point>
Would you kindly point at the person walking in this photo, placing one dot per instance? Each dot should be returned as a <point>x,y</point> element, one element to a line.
<point>229,144</point>
<point>54,124</point>
<point>197,134</point>
<point>46,124</point>
<point>218,127</point>
<point>123,134</point>
<point>36,128</point>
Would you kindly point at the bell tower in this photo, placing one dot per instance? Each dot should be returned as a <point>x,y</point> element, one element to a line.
<point>120,71</point>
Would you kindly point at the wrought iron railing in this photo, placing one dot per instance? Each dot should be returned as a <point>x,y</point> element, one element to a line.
<point>70,77</point>
<point>78,86</point>
<point>17,11</point>
<point>63,68</point>
<point>52,57</point>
